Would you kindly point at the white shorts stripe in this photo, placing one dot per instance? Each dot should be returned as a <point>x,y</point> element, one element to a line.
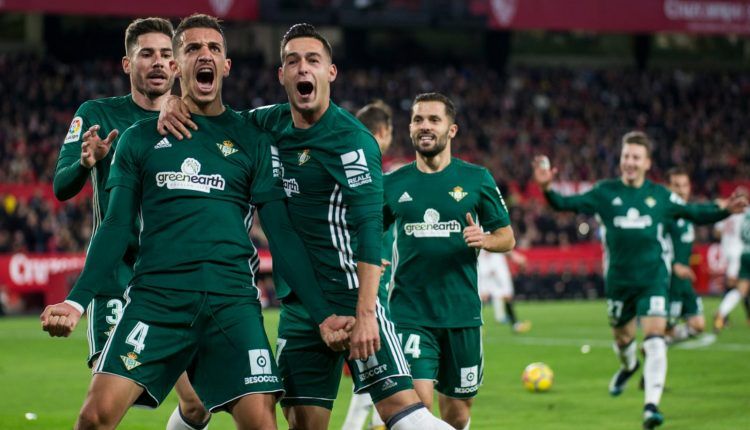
<point>90,334</point>
<point>389,332</point>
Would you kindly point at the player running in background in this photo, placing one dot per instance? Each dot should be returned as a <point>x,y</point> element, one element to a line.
<point>437,205</point>
<point>87,153</point>
<point>740,292</point>
<point>683,303</point>
<point>730,231</point>
<point>496,283</point>
<point>192,304</point>
<point>331,168</point>
<point>377,117</point>
<point>634,213</point>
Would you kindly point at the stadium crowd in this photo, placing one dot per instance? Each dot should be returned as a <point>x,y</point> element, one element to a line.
<point>576,115</point>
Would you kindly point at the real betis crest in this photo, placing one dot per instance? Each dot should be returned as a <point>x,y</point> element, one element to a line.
<point>303,157</point>
<point>650,201</point>
<point>458,193</point>
<point>130,361</point>
<point>227,148</point>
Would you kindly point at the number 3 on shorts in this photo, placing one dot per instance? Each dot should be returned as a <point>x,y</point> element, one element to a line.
<point>115,306</point>
<point>137,337</point>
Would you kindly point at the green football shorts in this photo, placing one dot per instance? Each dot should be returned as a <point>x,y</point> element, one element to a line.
<point>311,371</point>
<point>218,339</point>
<point>625,303</point>
<point>452,357</point>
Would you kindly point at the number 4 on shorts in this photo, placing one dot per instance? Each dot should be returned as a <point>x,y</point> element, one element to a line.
<point>412,345</point>
<point>137,337</point>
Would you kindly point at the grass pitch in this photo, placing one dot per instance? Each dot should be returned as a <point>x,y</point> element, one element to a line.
<point>708,386</point>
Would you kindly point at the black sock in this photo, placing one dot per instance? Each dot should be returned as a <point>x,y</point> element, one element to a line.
<point>746,302</point>
<point>510,312</point>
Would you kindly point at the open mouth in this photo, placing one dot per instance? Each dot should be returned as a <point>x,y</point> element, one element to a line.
<point>305,88</point>
<point>205,78</point>
<point>426,138</point>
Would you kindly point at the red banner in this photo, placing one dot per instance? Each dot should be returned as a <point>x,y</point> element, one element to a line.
<point>47,274</point>
<point>632,16</point>
<point>226,9</point>
<point>50,274</point>
<point>706,261</point>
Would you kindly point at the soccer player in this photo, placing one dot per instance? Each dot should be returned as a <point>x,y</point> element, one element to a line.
<point>494,280</point>
<point>192,303</point>
<point>87,152</point>
<point>683,302</point>
<point>437,205</point>
<point>634,213</point>
<point>732,246</point>
<point>740,292</point>
<point>330,166</point>
<point>377,117</point>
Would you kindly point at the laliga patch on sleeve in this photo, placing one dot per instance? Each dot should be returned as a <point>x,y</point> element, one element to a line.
<point>74,132</point>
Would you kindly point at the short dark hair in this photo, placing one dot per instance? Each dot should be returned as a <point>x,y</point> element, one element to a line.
<point>304,30</point>
<point>143,26</point>
<point>375,115</point>
<point>677,171</point>
<point>198,20</point>
<point>638,138</point>
<point>450,108</point>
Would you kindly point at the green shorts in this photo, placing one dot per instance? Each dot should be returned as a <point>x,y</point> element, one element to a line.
<point>102,315</point>
<point>683,302</point>
<point>311,371</point>
<point>218,339</point>
<point>452,357</point>
<point>625,303</point>
<point>744,266</point>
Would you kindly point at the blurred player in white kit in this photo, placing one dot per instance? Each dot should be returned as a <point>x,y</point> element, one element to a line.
<point>495,282</point>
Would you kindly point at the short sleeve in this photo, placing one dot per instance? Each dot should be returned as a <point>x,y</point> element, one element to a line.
<point>266,181</point>
<point>126,164</point>
<point>357,169</point>
<point>492,212</point>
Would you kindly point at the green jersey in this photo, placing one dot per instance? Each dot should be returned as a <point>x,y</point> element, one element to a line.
<point>70,177</point>
<point>634,225</point>
<point>434,271</point>
<point>682,235</point>
<point>209,183</point>
<point>332,177</point>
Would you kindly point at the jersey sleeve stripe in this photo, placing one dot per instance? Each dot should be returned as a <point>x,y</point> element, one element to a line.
<point>338,232</point>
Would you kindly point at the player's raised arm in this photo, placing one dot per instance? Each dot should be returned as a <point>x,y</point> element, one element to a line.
<point>543,175</point>
<point>706,213</point>
<point>70,172</point>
